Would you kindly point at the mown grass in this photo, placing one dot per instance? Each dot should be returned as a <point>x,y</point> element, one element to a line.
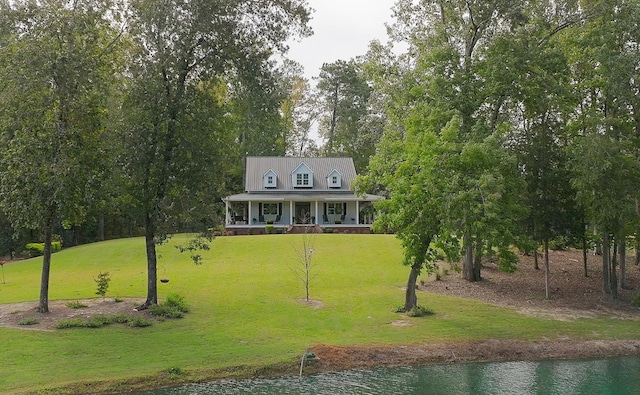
<point>244,309</point>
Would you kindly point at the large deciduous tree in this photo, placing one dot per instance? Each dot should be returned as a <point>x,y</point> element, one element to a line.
<point>176,141</point>
<point>56,62</point>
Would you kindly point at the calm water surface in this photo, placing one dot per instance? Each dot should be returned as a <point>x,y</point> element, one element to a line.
<point>598,376</point>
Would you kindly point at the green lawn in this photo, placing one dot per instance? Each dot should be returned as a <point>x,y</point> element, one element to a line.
<point>245,310</point>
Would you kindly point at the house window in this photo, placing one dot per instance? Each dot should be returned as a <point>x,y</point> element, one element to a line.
<point>334,180</point>
<point>270,209</point>
<point>270,180</point>
<point>334,208</point>
<point>302,179</point>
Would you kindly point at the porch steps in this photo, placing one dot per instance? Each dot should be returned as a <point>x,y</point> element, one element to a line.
<point>298,229</point>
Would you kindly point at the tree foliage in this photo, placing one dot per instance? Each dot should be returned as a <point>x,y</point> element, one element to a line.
<point>57,62</point>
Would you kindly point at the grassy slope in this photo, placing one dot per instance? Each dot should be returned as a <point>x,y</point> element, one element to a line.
<point>244,309</point>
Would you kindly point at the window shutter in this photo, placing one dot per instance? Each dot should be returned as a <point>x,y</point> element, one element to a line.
<point>279,208</point>
<point>260,208</point>
<point>325,208</point>
<point>344,208</point>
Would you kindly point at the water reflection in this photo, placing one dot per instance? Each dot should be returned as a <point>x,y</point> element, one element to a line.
<point>617,376</point>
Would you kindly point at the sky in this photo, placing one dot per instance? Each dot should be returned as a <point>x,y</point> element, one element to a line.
<point>342,30</point>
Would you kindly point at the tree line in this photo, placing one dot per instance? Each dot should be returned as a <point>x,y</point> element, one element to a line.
<point>509,124</point>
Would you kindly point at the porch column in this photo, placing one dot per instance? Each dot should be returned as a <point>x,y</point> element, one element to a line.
<point>249,216</point>
<point>226,212</point>
<point>357,212</point>
<point>317,215</point>
<point>291,213</point>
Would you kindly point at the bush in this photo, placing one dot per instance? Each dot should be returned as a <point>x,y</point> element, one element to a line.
<point>174,307</point>
<point>559,244</point>
<point>139,322</point>
<point>121,319</point>
<point>71,323</point>
<point>417,311</point>
<point>37,249</point>
<point>28,321</point>
<point>178,302</point>
<point>102,283</point>
<point>174,371</point>
<point>269,229</point>
<point>98,321</point>
<point>76,305</point>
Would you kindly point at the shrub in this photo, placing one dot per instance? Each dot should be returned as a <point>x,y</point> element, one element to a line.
<point>118,299</point>
<point>560,243</point>
<point>37,249</point>
<point>76,305</point>
<point>121,319</point>
<point>71,323</point>
<point>420,311</point>
<point>102,283</point>
<point>178,302</point>
<point>28,321</point>
<point>139,322</point>
<point>174,307</point>
<point>417,311</point>
<point>269,229</point>
<point>98,321</point>
<point>174,371</point>
<point>328,230</point>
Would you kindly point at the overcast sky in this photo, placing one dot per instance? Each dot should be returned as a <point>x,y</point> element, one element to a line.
<point>342,30</point>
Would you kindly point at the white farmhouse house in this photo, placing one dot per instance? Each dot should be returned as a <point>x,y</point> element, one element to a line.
<point>290,193</point>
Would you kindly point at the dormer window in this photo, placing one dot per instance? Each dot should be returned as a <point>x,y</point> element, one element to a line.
<point>302,177</point>
<point>334,179</point>
<point>270,179</point>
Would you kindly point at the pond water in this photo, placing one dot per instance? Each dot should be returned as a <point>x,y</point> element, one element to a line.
<point>620,375</point>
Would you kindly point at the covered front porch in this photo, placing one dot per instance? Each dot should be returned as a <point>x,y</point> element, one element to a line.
<point>347,212</point>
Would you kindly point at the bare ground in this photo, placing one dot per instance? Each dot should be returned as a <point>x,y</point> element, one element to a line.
<point>573,296</point>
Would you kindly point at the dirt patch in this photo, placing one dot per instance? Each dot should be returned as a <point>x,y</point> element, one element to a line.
<point>335,358</point>
<point>312,303</point>
<point>573,295</point>
<point>12,314</point>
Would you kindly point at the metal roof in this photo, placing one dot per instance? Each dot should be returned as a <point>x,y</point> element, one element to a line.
<point>302,197</point>
<point>258,166</point>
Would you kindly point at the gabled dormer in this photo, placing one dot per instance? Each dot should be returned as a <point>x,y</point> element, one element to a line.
<point>302,176</point>
<point>270,179</point>
<point>334,179</point>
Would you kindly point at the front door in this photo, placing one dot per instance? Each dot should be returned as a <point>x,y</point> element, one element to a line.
<point>303,213</point>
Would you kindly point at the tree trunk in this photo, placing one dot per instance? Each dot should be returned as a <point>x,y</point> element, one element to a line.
<point>606,286</point>
<point>43,307</point>
<point>584,256</point>
<point>477,265</point>
<point>637,247</point>
<point>536,266</point>
<point>152,275</point>
<point>622,251</point>
<point>467,262</point>
<point>411,300</point>
<point>613,277</point>
<point>547,271</point>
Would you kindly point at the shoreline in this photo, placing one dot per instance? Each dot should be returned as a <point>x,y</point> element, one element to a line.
<point>340,358</point>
